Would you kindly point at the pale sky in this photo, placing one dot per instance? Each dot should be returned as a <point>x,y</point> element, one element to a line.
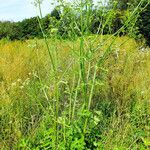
<point>17,10</point>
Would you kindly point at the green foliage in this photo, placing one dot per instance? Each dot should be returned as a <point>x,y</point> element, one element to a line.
<point>89,92</point>
<point>122,4</point>
<point>56,13</point>
<point>9,30</point>
<point>144,23</point>
<point>29,28</point>
<point>65,21</point>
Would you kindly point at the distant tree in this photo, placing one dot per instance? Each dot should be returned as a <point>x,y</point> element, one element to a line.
<point>144,23</point>
<point>121,4</point>
<point>9,30</point>
<point>29,28</point>
<point>46,22</point>
<point>51,20</point>
<point>56,13</point>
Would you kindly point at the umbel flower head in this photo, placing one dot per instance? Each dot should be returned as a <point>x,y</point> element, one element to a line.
<point>37,2</point>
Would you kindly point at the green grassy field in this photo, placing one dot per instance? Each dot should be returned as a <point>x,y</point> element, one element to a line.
<point>97,98</point>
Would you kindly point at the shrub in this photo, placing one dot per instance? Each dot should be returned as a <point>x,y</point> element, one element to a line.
<point>9,30</point>
<point>144,24</point>
<point>29,28</point>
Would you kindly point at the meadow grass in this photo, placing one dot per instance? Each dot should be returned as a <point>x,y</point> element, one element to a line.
<point>114,115</point>
<point>87,92</point>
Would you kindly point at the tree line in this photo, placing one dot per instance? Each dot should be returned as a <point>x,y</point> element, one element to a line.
<point>64,22</point>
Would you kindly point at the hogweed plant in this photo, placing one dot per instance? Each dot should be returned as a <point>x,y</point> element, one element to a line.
<point>73,115</point>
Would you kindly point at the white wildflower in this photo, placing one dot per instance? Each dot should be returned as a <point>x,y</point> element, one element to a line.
<point>29,73</point>
<point>21,87</point>
<point>19,80</point>
<point>14,84</point>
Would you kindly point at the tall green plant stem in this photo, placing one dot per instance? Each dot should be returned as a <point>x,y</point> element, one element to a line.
<point>55,76</point>
<point>82,69</point>
<point>91,95</point>
<point>45,37</point>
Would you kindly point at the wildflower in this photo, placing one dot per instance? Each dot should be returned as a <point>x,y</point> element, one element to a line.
<point>19,80</point>
<point>26,82</point>
<point>21,87</point>
<point>14,84</point>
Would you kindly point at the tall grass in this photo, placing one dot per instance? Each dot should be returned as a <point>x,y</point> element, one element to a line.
<point>91,92</point>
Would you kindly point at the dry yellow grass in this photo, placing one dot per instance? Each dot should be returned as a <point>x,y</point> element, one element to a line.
<point>19,59</point>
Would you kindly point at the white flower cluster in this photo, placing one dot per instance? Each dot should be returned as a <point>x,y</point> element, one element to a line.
<point>19,83</point>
